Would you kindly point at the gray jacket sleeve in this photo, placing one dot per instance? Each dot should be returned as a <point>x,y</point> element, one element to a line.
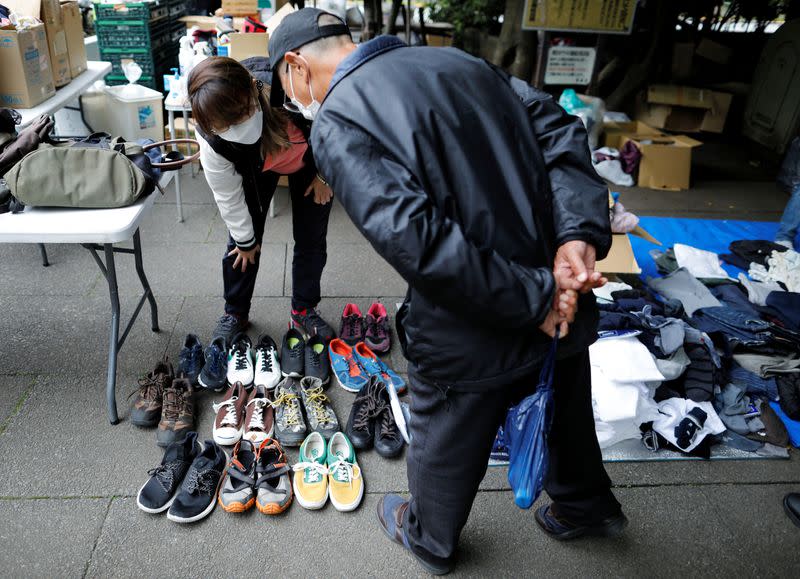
<point>428,249</point>
<point>580,196</point>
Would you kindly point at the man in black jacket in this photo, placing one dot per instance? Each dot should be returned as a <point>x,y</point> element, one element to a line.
<point>479,191</point>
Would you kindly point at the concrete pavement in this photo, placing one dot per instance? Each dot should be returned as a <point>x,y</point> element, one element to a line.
<point>69,479</point>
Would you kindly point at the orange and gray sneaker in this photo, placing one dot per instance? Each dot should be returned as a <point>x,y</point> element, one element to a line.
<point>349,373</point>
<point>177,413</point>
<point>146,409</point>
<point>345,483</point>
<point>311,473</point>
<point>273,487</point>
<point>236,494</point>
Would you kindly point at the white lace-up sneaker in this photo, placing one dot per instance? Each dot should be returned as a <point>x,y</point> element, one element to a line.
<point>240,361</point>
<point>267,366</point>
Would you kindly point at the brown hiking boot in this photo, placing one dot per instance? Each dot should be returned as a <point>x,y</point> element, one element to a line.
<point>146,410</point>
<point>177,416</point>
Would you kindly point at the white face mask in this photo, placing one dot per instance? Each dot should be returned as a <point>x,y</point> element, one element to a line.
<point>247,132</point>
<point>310,111</point>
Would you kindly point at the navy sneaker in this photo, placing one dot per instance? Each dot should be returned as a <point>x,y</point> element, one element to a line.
<point>317,364</point>
<point>391,510</point>
<point>293,354</point>
<point>311,323</point>
<point>563,530</point>
<point>160,490</point>
<point>230,325</point>
<point>214,375</point>
<point>197,496</point>
<point>191,359</point>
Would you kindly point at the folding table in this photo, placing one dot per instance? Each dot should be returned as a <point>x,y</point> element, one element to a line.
<point>97,230</point>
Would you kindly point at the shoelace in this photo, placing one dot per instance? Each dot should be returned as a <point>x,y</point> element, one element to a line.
<point>343,470</point>
<point>266,359</point>
<point>149,386</point>
<point>215,360</point>
<point>376,329</point>
<point>291,408</point>
<point>351,324</point>
<point>388,425</point>
<point>257,419</point>
<point>231,416</point>
<point>171,408</point>
<point>228,323</point>
<point>165,474</point>
<point>352,366</point>
<point>205,481</point>
<point>240,356</point>
<point>315,402</point>
<point>314,470</point>
<point>314,320</point>
<point>367,411</point>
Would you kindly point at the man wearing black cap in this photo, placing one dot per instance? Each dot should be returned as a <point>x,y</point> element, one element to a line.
<point>479,191</point>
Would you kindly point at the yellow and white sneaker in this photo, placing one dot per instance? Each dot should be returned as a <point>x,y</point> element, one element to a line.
<point>345,482</point>
<point>310,474</point>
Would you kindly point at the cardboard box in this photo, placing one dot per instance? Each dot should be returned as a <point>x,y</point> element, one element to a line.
<point>613,132</point>
<point>26,79</point>
<point>73,27</point>
<point>239,7</point>
<point>702,109</point>
<point>243,46</point>
<point>49,12</point>
<point>620,258</point>
<point>666,160</point>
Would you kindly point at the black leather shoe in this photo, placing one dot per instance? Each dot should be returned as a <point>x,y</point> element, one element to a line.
<point>791,504</point>
<point>563,530</point>
<point>388,440</point>
<point>361,423</point>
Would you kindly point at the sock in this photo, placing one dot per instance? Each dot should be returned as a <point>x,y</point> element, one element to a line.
<point>688,427</point>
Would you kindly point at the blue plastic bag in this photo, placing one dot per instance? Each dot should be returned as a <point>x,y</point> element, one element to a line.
<point>526,431</point>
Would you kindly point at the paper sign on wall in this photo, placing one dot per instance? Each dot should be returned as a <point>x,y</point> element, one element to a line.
<point>609,16</point>
<point>571,65</point>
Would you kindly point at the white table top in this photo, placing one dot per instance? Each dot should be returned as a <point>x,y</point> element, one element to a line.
<point>66,94</point>
<point>65,225</point>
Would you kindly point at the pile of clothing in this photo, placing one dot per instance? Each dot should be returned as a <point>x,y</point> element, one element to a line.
<point>696,358</point>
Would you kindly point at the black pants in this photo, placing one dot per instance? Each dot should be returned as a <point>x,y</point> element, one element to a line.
<point>310,230</point>
<point>453,432</point>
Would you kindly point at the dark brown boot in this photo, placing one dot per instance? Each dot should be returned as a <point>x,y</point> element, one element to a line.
<point>146,410</point>
<point>177,416</point>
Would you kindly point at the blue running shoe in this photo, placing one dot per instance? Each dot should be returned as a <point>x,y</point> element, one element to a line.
<point>349,373</point>
<point>377,367</point>
<point>215,371</point>
<point>191,359</point>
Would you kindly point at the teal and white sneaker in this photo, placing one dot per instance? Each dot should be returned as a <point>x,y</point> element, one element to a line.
<point>345,483</point>
<point>310,474</point>
<point>377,367</point>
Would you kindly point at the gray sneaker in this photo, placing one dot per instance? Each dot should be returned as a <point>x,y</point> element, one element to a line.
<point>321,417</point>
<point>273,487</point>
<point>290,428</point>
<point>237,494</point>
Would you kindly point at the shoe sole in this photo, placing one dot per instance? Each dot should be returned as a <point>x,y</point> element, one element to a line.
<point>236,507</point>
<point>348,388</point>
<point>222,441</point>
<point>790,513</point>
<point>145,424</point>
<point>438,571</point>
<point>309,505</point>
<point>273,508</point>
<point>384,454</point>
<point>611,530</point>
<point>148,510</point>
<point>290,442</point>
<point>343,508</point>
<point>207,387</point>
<point>205,513</point>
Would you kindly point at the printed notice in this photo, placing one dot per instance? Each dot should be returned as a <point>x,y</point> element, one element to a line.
<point>569,65</point>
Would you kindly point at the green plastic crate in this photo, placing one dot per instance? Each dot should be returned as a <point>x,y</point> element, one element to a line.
<point>142,57</point>
<point>115,80</point>
<point>130,34</point>
<point>135,11</point>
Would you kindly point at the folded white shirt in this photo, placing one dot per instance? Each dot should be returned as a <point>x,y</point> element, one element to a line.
<point>699,262</point>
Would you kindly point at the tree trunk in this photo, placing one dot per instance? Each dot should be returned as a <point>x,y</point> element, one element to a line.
<point>510,33</point>
<point>373,19</point>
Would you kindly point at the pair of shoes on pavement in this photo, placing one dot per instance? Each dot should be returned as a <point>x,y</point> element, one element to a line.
<point>353,367</point>
<point>243,414</point>
<point>185,484</point>
<point>328,471</point>
<point>214,375</point>
<point>257,365</point>
<point>372,421</point>
<point>257,475</point>
<point>308,322</point>
<point>303,357</point>
<point>166,401</point>
<point>391,516</point>
<point>302,406</point>
<point>373,329</point>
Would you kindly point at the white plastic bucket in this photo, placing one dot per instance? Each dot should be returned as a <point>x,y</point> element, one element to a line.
<point>136,112</point>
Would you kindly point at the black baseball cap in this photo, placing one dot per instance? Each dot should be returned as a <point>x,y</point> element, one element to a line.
<point>296,30</point>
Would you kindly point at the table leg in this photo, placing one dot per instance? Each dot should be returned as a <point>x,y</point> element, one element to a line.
<point>171,121</point>
<point>113,347</point>
<point>137,257</point>
<point>43,250</point>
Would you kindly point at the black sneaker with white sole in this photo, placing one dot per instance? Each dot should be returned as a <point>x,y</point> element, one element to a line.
<point>198,493</point>
<point>317,362</point>
<point>293,354</point>
<point>159,492</point>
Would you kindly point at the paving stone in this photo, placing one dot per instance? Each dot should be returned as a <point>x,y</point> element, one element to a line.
<point>72,270</point>
<point>194,190</point>
<point>67,333</point>
<point>12,390</point>
<point>161,224</point>
<point>49,537</point>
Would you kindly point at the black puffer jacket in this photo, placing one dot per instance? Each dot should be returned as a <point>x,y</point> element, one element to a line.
<point>466,181</point>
